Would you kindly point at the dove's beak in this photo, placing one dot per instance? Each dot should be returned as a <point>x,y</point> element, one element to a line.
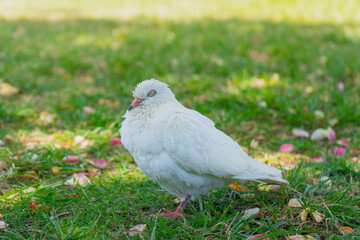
<point>135,103</point>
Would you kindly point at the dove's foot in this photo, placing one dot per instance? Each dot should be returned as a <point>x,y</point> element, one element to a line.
<point>178,211</point>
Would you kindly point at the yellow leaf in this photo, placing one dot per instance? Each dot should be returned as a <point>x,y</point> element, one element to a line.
<point>238,187</point>
<point>346,230</point>
<point>8,90</point>
<point>54,170</point>
<point>303,215</point>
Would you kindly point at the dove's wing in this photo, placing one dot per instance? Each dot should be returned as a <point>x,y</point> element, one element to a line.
<point>195,145</point>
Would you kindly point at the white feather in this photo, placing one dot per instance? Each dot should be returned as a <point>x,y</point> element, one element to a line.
<point>182,150</point>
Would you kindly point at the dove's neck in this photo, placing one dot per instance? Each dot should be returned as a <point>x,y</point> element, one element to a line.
<point>150,111</point>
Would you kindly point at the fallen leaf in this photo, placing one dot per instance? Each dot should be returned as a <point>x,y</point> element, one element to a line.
<point>54,170</point>
<point>269,188</point>
<point>255,55</point>
<point>300,132</point>
<point>238,188</point>
<point>115,142</point>
<point>7,90</point>
<point>319,114</point>
<point>339,151</point>
<point>333,121</point>
<point>92,172</point>
<point>300,237</point>
<point>294,203</point>
<point>71,159</point>
<point>318,216</point>
<point>88,110</point>
<point>101,164</point>
<point>346,230</point>
<point>259,83</point>
<point>46,118</point>
<point>341,86</point>
<point>254,143</point>
<point>303,215</point>
<point>3,224</point>
<point>286,148</point>
<point>257,236</point>
<point>32,204</point>
<point>136,229</point>
<point>251,212</point>
<point>78,179</point>
<point>343,143</point>
<point>319,159</point>
<point>29,190</point>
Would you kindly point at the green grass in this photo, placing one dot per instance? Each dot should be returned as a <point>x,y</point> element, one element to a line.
<point>64,55</point>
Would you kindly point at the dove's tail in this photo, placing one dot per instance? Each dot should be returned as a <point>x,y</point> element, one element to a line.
<point>264,174</point>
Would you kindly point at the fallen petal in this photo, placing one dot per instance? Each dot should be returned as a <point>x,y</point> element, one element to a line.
<point>343,143</point>
<point>78,140</point>
<point>286,148</point>
<point>333,121</point>
<point>319,114</point>
<point>101,164</point>
<point>257,236</point>
<point>319,159</point>
<point>294,203</point>
<point>88,110</point>
<point>3,224</point>
<point>300,132</point>
<point>254,143</point>
<point>78,179</point>
<point>136,229</point>
<point>29,190</point>
<point>340,86</point>
<point>84,144</point>
<point>339,151</point>
<point>331,135</point>
<point>318,216</point>
<point>319,134</point>
<point>54,170</point>
<point>115,142</point>
<point>251,212</point>
<point>71,159</point>
<point>7,90</point>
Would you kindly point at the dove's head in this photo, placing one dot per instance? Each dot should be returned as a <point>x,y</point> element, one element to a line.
<point>151,93</point>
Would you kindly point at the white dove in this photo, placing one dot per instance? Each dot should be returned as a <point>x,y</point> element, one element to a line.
<point>181,149</point>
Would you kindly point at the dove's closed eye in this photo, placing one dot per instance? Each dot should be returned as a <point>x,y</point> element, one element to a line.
<point>151,93</point>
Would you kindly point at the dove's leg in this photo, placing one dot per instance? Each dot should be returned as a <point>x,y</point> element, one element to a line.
<point>178,211</point>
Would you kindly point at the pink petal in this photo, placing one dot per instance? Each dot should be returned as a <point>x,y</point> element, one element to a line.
<point>331,135</point>
<point>340,86</point>
<point>136,229</point>
<point>115,142</point>
<point>339,151</point>
<point>354,159</point>
<point>300,132</point>
<point>71,159</point>
<point>343,143</point>
<point>257,236</point>
<point>101,164</point>
<point>319,159</point>
<point>286,148</point>
<point>88,110</point>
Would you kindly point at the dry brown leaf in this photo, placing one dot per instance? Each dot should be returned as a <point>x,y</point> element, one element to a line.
<point>54,170</point>
<point>8,90</point>
<point>346,230</point>
<point>238,188</point>
<point>32,204</point>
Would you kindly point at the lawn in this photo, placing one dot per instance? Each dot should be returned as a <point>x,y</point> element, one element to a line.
<point>258,69</point>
